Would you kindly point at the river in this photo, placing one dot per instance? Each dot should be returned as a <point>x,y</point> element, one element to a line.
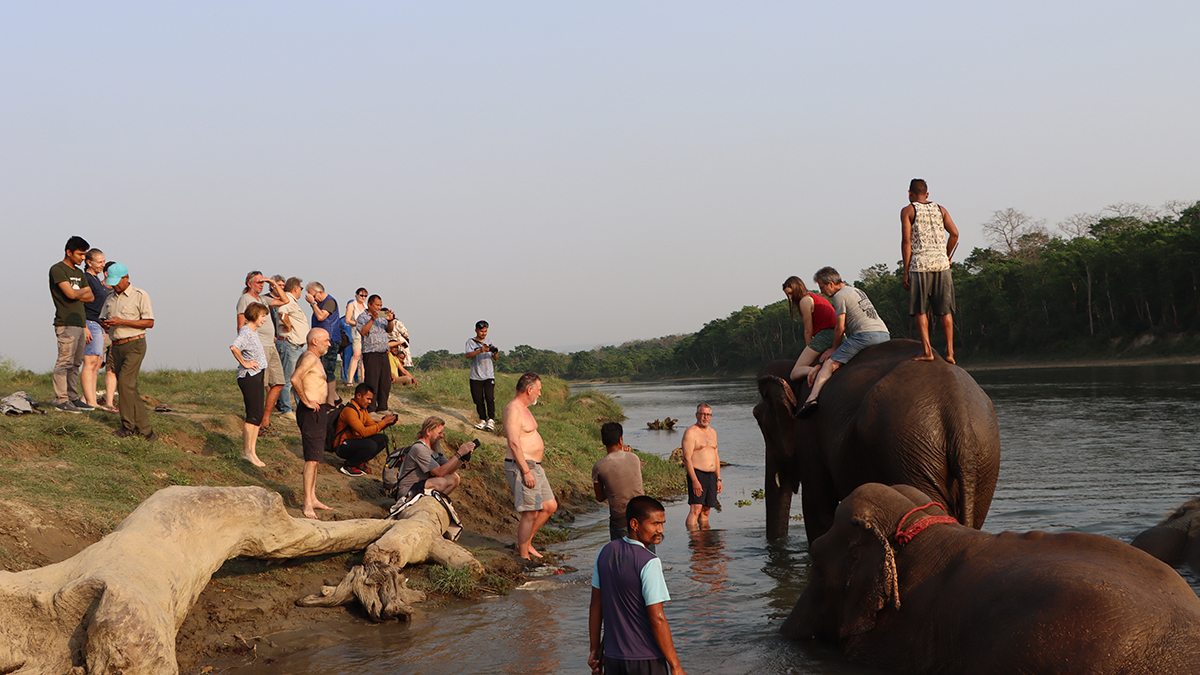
<point>1106,450</point>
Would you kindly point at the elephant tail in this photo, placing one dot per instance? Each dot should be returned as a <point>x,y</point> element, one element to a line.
<point>973,460</point>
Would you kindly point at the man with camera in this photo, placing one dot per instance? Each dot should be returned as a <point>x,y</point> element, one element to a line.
<point>425,466</point>
<point>359,437</point>
<point>482,353</point>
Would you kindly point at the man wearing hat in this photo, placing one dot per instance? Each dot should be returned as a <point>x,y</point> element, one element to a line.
<point>126,315</point>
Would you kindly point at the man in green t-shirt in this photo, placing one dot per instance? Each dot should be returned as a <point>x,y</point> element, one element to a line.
<point>69,290</point>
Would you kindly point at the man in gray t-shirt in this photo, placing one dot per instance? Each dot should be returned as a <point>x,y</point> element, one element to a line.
<point>426,466</point>
<point>482,354</point>
<point>856,326</point>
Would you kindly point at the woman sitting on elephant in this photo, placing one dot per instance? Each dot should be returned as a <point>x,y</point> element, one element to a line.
<point>818,318</point>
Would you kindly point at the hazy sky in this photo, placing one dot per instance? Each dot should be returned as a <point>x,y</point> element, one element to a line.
<point>575,173</point>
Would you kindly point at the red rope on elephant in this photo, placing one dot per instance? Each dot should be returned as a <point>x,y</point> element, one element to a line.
<point>903,536</point>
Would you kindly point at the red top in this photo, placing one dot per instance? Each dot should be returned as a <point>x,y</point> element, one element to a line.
<point>822,314</point>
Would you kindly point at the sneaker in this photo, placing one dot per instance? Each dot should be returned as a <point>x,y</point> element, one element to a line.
<point>491,425</point>
<point>482,425</point>
<point>123,433</point>
<point>351,470</point>
<point>68,407</point>
<point>289,416</point>
<point>151,436</point>
<point>363,468</point>
<point>79,403</point>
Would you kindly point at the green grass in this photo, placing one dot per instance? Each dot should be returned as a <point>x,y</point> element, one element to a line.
<point>72,464</point>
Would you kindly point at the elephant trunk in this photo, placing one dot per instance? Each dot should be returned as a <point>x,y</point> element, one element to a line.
<point>779,504</point>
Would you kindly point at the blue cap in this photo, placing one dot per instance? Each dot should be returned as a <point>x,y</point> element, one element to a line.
<point>116,272</point>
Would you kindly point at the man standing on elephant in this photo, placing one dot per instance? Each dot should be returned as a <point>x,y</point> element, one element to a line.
<point>703,465</point>
<point>926,251</point>
<point>856,326</point>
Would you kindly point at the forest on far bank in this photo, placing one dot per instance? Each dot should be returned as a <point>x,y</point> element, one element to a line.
<point>1118,283</point>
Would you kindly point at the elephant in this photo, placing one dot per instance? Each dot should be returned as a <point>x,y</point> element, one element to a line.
<point>897,584</point>
<point>1176,540</point>
<point>883,418</point>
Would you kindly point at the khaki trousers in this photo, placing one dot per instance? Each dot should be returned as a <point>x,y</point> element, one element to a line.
<point>127,360</point>
<point>71,344</point>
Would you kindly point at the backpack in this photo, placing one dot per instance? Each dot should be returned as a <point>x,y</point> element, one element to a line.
<point>391,471</point>
<point>331,425</point>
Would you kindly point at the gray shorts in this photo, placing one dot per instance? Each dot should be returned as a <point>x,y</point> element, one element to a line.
<point>274,367</point>
<point>930,291</point>
<point>526,498</point>
<point>821,341</point>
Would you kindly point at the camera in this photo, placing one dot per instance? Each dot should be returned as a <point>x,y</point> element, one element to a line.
<point>493,349</point>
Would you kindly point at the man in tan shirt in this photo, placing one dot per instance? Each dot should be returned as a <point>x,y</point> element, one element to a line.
<point>126,315</point>
<point>703,465</point>
<point>313,414</point>
<point>532,495</point>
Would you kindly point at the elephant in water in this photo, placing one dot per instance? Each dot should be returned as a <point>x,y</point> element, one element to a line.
<point>1176,540</point>
<point>897,584</point>
<point>884,419</point>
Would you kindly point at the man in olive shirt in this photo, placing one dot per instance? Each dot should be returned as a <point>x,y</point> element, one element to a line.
<point>69,290</point>
<point>126,315</point>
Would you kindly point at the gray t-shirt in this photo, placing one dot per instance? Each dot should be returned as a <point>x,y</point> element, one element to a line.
<point>621,475</point>
<point>417,464</point>
<point>266,332</point>
<point>861,316</point>
<point>482,367</point>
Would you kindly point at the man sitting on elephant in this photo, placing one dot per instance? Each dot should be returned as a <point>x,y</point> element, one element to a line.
<point>857,326</point>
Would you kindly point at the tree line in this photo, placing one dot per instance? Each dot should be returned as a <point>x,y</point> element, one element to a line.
<point>1125,279</point>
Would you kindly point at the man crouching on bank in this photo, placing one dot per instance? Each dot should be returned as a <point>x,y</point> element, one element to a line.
<point>532,495</point>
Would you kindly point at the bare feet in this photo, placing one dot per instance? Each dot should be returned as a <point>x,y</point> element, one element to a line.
<point>309,513</point>
<point>253,459</point>
<point>950,358</point>
<point>532,554</point>
<point>924,357</point>
<point>321,506</point>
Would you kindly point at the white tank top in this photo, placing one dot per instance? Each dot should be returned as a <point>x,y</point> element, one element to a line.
<point>928,239</point>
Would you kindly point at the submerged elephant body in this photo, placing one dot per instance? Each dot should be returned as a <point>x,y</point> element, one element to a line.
<point>950,599</point>
<point>1176,540</point>
<point>883,418</point>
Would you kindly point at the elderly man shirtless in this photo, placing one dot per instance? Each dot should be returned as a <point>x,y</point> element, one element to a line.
<point>703,466</point>
<point>313,414</point>
<point>532,495</point>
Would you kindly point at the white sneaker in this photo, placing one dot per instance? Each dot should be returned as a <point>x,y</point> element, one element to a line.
<point>481,426</point>
<point>491,425</point>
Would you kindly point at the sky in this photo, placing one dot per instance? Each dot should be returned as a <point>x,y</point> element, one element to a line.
<point>577,174</point>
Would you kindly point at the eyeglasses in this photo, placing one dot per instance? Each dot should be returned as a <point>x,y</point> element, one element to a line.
<point>362,295</point>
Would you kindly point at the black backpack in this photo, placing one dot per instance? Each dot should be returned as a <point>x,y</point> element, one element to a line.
<point>391,471</point>
<point>331,425</point>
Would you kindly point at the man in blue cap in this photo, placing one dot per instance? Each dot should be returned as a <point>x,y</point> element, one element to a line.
<point>126,315</point>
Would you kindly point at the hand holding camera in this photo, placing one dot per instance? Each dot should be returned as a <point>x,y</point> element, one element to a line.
<point>469,447</point>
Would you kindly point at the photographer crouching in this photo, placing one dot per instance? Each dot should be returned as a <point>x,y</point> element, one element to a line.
<point>425,466</point>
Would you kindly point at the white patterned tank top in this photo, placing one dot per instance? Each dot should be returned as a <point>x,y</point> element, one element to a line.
<point>928,239</point>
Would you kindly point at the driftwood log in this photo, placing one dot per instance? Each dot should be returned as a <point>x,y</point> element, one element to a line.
<point>379,583</point>
<point>117,605</point>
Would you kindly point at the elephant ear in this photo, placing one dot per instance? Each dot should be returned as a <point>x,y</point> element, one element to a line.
<point>871,583</point>
<point>786,396</point>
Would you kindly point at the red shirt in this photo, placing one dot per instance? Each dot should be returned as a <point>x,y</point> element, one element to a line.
<point>822,314</point>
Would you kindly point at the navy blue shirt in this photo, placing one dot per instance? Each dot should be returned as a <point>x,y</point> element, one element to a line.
<point>630,579</point>
<point>100,291</point>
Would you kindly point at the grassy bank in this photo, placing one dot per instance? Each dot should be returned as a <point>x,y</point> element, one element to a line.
<point>69,470</point>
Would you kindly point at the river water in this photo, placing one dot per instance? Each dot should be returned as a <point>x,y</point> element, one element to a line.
<point>1106,450</point>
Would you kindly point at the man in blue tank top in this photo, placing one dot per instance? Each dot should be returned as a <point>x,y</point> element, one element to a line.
<point>628,592</point>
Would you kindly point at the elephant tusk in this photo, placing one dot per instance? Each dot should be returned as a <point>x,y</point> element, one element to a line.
<point>777,479</point>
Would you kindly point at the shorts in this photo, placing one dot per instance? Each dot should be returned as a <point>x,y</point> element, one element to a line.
<point>708,483</point>
<point>254,396</point>
<point>96,346</point>
<point>930,291</point>
<point>356,339</point>
<point>854,344</point>
<point>525,498</point>
<point>636,667</point>
<point>313,425</point>
<point>821,341</point>
<point>329,361</point>
<point>274,367</point>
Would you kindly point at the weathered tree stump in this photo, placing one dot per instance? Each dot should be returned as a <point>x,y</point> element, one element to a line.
<point>117,605</point>
<point>379,583</point>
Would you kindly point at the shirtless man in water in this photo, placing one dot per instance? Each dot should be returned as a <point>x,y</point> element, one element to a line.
<point>703,465</point>
<point>308,381</point>
<point>532,495</point>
